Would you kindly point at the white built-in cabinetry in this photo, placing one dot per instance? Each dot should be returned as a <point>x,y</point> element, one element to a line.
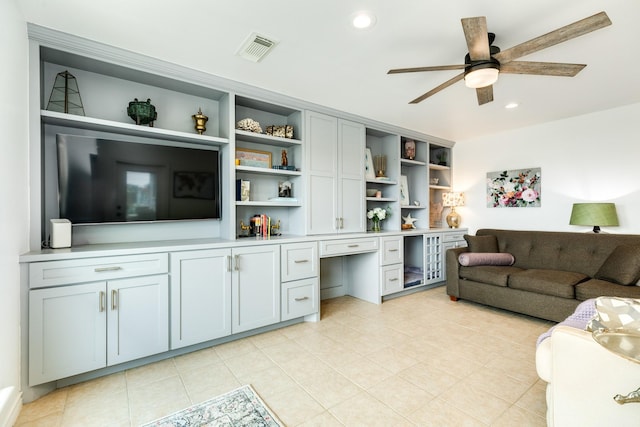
<point>114,310</point>
<point>200,296</point>
<point>335,158</point>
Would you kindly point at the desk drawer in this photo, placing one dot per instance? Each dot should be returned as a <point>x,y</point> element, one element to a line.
<point>300,298</point>
<point>391,250</point>
<point>55,273</point>
<point>298,261</point>
<point>330,248</point>
<point>454,237</point>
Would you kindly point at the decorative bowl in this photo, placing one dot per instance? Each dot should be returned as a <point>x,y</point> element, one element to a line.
<point>371,192</point>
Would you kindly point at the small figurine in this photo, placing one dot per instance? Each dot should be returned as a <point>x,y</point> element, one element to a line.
<point>285,161</point>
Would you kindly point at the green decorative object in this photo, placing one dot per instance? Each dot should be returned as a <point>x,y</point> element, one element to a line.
<point>143,112</point>
<point>65,95</point>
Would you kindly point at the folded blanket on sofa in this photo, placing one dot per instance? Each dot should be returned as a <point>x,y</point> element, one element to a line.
<point>585,311</point>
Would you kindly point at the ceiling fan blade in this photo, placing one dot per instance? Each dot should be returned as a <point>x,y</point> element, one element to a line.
<point>542,68</point>
<point>475,31</point>
<point>438,88</point>
<point>568,32</point>
<point>484,94</point>
<point>419,69</point>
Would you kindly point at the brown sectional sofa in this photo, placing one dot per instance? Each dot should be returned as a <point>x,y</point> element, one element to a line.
<point>552,273</point>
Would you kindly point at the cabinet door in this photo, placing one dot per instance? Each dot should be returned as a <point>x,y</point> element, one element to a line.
<point>200,296</point>
<point>391,279</point>
<point>67,331</point>
<point>138,318</point>
<point>255,288</point>
<point>351,206</point>
<point>322,164</point>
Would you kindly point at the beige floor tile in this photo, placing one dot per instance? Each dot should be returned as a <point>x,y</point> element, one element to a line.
<point>327,386</point>
<point>50,405</point>
<point>51,420</point>
<point>325,419</point>
<point>97,390</point>
<point>247,363</point>
<point>534,400</point>
<point>196,359</point>
<point>108,409</point>
<point>430,379</point>
<point>364,410</point>
<point>294,406</point>
<point>153,372</point>
<point>476,403</point>
<point>520,417</point>
<point>439,413</point>
<point>234,348</point>
<point>392,359</point>
<point>157,399</point>
<point>400,395</point>
<point>268,381</point>
<point>206,382</point>
<point>498,384</point>
<point>364,372</point>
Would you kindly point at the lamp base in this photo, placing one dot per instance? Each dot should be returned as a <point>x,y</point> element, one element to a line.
<point>453,219</point>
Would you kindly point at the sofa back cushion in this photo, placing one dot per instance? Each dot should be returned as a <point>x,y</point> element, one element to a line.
<point>622,266</point>
<point>553,250</point>
<point>485,244</point>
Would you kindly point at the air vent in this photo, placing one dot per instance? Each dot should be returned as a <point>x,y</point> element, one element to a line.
<point>255,47</point>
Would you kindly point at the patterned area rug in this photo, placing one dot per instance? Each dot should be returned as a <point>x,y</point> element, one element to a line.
<point>238,408</point>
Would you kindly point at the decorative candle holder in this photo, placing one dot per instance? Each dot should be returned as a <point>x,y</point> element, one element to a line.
<point>381,166</point>
<point>201,121</point>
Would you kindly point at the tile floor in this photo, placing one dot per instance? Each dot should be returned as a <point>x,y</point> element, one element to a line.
<point>418,360</point>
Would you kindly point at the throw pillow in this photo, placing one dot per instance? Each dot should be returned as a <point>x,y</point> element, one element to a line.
<point>482,243</point>
<point>468,259</point>
<point>622,266</point>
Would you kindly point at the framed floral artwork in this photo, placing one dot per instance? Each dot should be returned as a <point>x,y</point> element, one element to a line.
<point>518,188</point>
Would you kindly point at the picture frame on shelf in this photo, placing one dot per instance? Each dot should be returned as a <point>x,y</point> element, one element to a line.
<point>285,189</point>
<point>404,191</point>
<point>369,171</point>
<point>254,158</point>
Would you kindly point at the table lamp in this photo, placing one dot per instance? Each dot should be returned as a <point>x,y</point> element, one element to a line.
<point>594,214</point>
<point>453,199</point>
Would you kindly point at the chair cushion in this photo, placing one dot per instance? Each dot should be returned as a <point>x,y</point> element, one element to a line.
<point>487,243</point>
<point>490,274</point>
<point>485,258</point>
<point>548,282</point>
<point>622,266</point>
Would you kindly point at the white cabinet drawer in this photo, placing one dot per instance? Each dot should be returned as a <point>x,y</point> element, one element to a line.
<point>300,298</point>
<point>54,273</point>
<point>457,236</point>
<point>299,261</point>
<point>391,279</point>
<point>391,250</point>
<point>348,246</point>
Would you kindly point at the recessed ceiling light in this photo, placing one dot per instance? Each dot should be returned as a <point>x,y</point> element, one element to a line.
<point>362,20</point>
<point>511,105</point>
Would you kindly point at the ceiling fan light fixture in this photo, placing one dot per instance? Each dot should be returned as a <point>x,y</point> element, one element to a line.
<point>481,77</point>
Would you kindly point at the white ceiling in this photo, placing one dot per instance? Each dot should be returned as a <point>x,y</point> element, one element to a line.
<point>320,58</point>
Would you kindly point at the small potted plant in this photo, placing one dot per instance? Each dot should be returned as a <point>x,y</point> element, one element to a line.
<point>376,215</point>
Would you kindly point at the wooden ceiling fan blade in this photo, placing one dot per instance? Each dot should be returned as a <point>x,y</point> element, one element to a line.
<point>542,68</point>
<point>438,88</point>
<point>484,94</point>
<point>563,34</point>
<point>419,69</point>
<point>475,32</point>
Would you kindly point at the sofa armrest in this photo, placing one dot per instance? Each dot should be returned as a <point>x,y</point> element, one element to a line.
<point>584,379</point>
<point>453,269</point>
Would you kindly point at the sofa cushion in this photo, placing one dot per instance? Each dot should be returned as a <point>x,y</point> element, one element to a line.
<point>595,288</point>
<point>485,258</point>
<point>490,274</point>
<point>622,266</point>
<point>482,243</point>
<point>547,282</point>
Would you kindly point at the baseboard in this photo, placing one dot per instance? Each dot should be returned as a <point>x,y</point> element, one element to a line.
<point>10,406</point>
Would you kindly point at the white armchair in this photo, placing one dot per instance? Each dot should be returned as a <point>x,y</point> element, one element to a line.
<point>583,377</point>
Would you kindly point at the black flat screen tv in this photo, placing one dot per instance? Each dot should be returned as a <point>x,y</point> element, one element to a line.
<point>110,181</point>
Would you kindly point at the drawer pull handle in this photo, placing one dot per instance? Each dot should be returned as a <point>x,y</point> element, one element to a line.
<point>301,261</point>
<point>301,298</point>
<point>104,269</point>
<point>237,262</point>
<point>393,250</point>
<point>229,262</point>
<point>101,300</point>
<point>395,279</point>
<point>353,246</point>
<point>114,298</point>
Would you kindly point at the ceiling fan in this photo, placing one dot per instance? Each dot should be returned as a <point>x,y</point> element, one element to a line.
<point>485,61</point>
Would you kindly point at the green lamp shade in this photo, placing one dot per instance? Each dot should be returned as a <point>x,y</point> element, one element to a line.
<point>594,214</point>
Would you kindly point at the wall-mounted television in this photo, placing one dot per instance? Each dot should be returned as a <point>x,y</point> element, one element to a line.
<point>109,181</point>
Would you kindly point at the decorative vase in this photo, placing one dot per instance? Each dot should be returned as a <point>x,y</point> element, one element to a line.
<point>201,121</point>
<point>376,225</point>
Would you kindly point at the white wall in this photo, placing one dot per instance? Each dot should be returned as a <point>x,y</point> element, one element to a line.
<point>14,188</point>
<point>594,157</point>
